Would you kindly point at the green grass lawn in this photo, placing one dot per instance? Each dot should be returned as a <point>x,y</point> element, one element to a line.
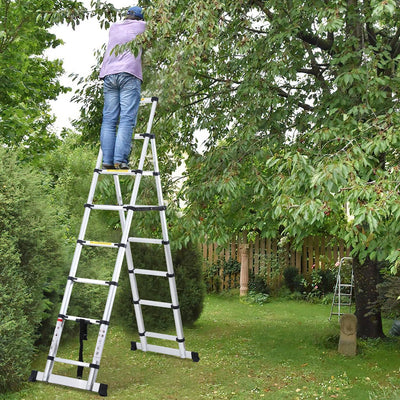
<point>279,350</point>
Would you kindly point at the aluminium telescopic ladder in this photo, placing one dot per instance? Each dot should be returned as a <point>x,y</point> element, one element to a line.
<point>344,286</point>
<point>126,214</point>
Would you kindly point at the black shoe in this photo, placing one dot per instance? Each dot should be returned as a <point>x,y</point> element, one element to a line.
<point>108,166</point>
<point>122,165</point>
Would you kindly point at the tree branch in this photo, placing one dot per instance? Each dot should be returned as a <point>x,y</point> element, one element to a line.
<point>286,95</point>
<point>315,68</point>
<point>314,40</point>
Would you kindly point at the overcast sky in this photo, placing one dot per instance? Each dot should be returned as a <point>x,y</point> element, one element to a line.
<point>78,56</point>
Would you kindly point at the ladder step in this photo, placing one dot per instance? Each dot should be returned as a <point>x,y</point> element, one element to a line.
<point>146,240</point>
<point>127,172</point>
<point>146,100</point>
<point>77,319</point>
<point>99,244</point>
<point>106,207</point>
<point>72,362</point>
<point>141,136</point>
<point>152,303</point>
<point>152,272</point>
<point>92,281</point>
<point>146,208</point>
<point>163,336</point>
<point>71,382</point>
<point>346,285</point>
<point>168,351</point>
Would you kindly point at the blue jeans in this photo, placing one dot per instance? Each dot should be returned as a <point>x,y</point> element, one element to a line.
<point>121,104</point>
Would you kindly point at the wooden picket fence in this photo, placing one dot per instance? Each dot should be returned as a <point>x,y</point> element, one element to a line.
<point>266,257</point>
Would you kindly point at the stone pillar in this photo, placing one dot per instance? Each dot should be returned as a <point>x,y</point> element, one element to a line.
<point>244,269</point>
<point>348,335</point>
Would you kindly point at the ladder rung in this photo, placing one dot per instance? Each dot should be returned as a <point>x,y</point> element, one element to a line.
<point>67,381</point>
<point>166,350</point>
<point>146,100</point>
<point>89,320</point>
<point>92,281</point>
<point>146,208</point>
<point>105,207</point>
<point>145,240</point>
<point>151,272</point>
<point>98,244</point>
<point>346,285</point>
<point>117,171</point>
<point>162,336</point>
<point>152,303</point>
<point>72,362</point>
<point>128,172</point>
<point>139,136</point>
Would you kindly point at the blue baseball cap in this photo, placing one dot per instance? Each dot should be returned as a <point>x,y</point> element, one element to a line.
<point>136,11</point>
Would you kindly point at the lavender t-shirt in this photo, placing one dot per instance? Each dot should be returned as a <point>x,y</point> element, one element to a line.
<point>121,33</point>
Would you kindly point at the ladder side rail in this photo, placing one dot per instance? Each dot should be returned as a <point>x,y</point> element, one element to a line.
<point>351,289</point>
<point>168,256</point>
<point>334,296</point>
<point>117,269</point>
<point>132,277</point>
<point>164,227</point>
<point>152,114</point>
<point>129,260</point>
<point>138,177</point>
<point>106,316</point>
<point>339,288</point>
<point>74,266</point>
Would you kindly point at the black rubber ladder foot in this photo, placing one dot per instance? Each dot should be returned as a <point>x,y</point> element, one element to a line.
<point>103,389</point>
<point>195,357</point>
<point>32,378</point>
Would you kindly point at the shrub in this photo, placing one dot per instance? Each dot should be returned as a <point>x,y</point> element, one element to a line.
<point>257,284</point>
<point>16,333</point>
<point>328,280</point>
<point>30,261</point>
<point>191,290</point>
<point>388,299</point>
<point>319,283</point>
<point>293,279</point>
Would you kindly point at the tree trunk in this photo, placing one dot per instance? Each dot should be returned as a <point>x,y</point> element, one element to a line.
<point>368,313</point>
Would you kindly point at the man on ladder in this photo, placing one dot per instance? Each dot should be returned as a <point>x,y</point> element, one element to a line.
<point>122,97</point>
<point>122,75</point>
